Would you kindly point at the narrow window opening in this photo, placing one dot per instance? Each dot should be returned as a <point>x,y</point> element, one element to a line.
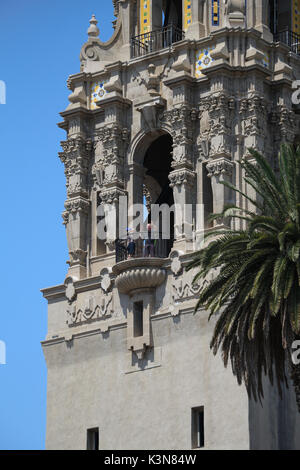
<point>93,439</point>
<point>138,319</point>
<point>101,247</point>
<point>207,198</point>
<point>198,427</point>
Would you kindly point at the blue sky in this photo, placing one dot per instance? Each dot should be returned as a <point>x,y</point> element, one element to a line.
<point>40,46</point>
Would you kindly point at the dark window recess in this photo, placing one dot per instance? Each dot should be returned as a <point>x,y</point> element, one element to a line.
<point>138,318</point>
<point>198,427</point>
<point>93,439</point>
<point>207,198</point>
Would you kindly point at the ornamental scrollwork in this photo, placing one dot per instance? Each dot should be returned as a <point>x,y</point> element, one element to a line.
<point>110,148</point>
<point>76,157</point>
<point>92,310</point>
<point>220,167</point>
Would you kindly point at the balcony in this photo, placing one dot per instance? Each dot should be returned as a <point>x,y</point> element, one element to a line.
<point>146,245</point>
<point>139,274</point>
<point>289,38</point>
<point>155,40</point>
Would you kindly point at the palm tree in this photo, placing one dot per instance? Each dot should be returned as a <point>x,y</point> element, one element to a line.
<point>255,292</point>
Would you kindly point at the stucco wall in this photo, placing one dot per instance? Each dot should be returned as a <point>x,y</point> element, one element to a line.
<point>275,422</point>
<point>91,383</point>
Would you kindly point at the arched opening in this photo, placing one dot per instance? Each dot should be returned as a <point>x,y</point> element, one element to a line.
<point>157,165</point>
<point>150,231</point>
<point>151,217</point>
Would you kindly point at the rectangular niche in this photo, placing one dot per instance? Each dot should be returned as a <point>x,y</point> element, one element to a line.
<point>138,319</point>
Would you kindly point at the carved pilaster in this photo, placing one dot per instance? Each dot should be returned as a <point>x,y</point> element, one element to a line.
<point>216,116</point>
<point>286,124</point>
<point>75,219</point>
<point>181,121</point>
<point>254,116</point>
<point>183,182</point>
<point>220,170</point>
<point>76,157</point>
<point>114,205</point>
<point>110,149</point>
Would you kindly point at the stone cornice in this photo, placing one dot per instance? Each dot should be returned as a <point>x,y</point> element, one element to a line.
<point>115,99</point>
<point>181,78</point>
<point>83,285</point>
<point>235,69</point>
<point>80,110</point>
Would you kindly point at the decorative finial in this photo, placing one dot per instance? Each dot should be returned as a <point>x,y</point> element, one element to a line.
<point>93,31</point>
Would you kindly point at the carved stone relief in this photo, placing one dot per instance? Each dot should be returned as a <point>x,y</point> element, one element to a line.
<point>97,306</point>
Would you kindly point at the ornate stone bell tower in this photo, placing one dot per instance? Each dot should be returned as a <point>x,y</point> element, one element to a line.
<point>158,115</point>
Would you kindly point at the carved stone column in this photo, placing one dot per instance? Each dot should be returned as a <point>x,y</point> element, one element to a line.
<point>76,219</point>
<point>182,178</point>
<point>136,173</point>
<point>221,113</point>
<point>286,124</point>
<point>236,12</point>
<point>76,158</point>
<point>220,170</point>
<point>254,116</point>
<point>114,204</point>
<point>261,10</point>
<point>197,28</point>
<point>108,173</point>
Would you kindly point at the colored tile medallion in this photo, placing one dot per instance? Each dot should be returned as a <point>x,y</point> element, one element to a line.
<point>98,92</point>
<point>203,60</point>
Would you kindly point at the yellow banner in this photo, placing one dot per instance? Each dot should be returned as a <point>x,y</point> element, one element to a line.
<point>187,14</point>
<point>144,16</point>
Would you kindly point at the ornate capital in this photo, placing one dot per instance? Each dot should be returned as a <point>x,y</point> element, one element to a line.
<point>111,196</point>
<point>220,167</point>
<point>78,205</point>
<point>180,177</point>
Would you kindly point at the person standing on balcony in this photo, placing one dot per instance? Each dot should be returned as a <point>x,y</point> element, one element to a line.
<point>149,244</point>
<point>131,248</point>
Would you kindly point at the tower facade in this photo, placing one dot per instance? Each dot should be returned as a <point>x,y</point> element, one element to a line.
<point>158,115</point>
